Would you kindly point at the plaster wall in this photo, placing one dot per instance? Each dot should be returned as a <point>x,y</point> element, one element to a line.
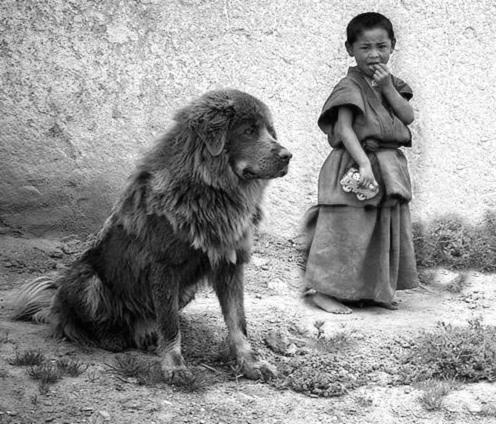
<point>86,87</point>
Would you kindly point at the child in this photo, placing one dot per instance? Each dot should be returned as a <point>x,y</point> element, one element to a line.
<point>362,250</point>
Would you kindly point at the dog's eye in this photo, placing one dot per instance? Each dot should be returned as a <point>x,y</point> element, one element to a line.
<point>272,132</point>
<point>249,131</point>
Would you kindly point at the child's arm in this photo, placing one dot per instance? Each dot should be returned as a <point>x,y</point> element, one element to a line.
<point>344,131</point>
<point>402,109</point>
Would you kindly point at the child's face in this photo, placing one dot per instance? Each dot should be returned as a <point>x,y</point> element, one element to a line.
<point>372,46</point>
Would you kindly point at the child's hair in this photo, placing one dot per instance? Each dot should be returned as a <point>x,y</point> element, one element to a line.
<point>368,20</point>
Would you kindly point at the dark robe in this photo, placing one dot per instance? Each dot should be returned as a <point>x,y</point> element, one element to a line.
<point>364,249</point>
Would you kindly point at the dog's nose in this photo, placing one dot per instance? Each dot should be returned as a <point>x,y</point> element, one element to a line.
<point>285,154</point>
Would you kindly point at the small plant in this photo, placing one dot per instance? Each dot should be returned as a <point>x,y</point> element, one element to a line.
<point>46,373</point>
<point>364,401</point>
<point>333,344</point>
<point>463,353</point>
<point>34,400</point>
<point>433,393</point>
<point>145,372</point>
<point>451,242</point>
<point>149,373</point>
<point>27,358</point>
<point>70,367</point>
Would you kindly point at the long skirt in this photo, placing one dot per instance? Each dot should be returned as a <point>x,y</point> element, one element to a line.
<point>362,253</point>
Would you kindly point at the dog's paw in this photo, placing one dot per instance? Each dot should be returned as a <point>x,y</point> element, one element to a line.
<point>174,368</point>
<point>180,376</point>
<point>258,370</point>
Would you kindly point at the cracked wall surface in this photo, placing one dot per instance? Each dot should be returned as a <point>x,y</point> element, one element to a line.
<point>88,85</point>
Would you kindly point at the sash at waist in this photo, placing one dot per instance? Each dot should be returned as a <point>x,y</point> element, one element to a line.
<point>373,145</point>
<point>390,169</point>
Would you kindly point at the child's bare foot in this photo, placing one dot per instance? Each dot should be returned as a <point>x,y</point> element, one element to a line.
<point>329,304</point>
<point>392,306</point>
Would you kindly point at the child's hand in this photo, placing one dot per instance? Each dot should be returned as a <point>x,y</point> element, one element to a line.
<point>367,178</point>
<point>382,76</point>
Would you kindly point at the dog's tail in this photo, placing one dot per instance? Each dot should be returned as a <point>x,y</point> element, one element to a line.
<point>32,301</point>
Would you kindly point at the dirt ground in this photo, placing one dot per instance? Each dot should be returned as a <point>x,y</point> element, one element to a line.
<point>363,345</point>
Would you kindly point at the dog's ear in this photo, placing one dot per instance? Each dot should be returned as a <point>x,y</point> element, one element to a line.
<point>209,119</point>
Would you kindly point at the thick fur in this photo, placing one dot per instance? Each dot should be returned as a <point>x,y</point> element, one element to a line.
<point>187,215</point>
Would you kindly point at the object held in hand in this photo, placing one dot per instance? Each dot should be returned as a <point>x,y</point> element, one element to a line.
<point>351,183</point>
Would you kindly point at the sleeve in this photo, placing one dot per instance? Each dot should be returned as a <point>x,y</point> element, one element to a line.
<point>403,88</point>
<point>346,93</point>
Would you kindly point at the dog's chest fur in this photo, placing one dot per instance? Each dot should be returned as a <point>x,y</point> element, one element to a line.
<point>219,224</point>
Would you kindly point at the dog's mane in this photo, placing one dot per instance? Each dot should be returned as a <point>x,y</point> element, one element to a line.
<point>199,194</point>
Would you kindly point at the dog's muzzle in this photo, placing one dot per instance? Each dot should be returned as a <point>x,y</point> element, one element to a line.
<point>284,158</point>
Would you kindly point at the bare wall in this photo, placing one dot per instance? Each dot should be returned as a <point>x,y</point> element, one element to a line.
<point>86,86</point>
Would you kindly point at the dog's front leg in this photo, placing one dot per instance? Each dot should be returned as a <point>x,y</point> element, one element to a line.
<point>228,284</point>
<point>165,292</point>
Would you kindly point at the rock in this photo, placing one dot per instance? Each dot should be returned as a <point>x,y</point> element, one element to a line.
<point>462,401</point>
<point>291,349</point>
<point>258,261</point>
<point>105,415</point>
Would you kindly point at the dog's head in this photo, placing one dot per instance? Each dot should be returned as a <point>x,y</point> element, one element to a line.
<point>238,126</point>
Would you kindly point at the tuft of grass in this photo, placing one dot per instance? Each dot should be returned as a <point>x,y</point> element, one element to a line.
<point>47,373</point>
<point>27,358</point>
<point>70,367</point>
<point>465,354</point>
<point>451,242</point>
<point>190,382</point>
<point>147,373</point>
<point>433,393</point>
<point>336,343</point>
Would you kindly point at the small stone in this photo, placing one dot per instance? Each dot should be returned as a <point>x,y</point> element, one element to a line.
<point>291,349</point>
<point>105,415</point>
<point>56,254</point>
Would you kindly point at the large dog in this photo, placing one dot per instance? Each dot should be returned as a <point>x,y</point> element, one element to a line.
<point>187,215</point>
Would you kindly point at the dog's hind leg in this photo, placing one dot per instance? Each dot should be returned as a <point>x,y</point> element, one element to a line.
<point>228,284</point>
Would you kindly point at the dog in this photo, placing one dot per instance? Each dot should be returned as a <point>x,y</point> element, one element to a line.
<point>187,215</point>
